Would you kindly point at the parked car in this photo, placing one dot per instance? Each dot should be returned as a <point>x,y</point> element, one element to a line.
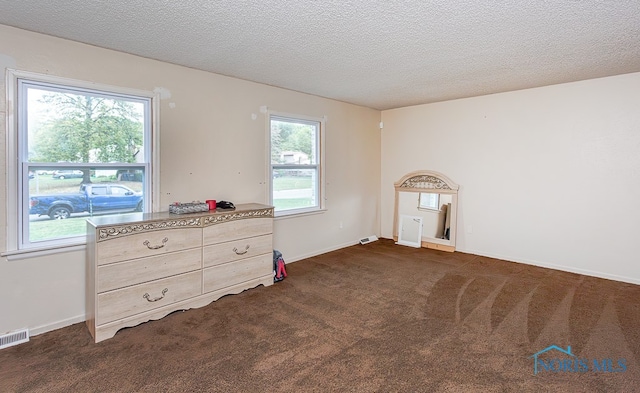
<point>67,174</point>
<point>92,198</point>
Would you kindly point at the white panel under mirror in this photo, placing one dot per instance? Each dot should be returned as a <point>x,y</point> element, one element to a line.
<point>433,197</point>
<point>410,232</point>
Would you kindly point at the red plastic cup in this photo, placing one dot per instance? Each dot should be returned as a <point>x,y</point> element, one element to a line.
<point>211,203</point>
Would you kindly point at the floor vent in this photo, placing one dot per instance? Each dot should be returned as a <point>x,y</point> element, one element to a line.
<point>15,338</point>
<point>369,239</point>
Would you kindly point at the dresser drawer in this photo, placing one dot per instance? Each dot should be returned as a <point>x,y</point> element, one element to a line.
<point>148,244</point>
<point>227,274</point>
<point>136,299</point>
<point>239,229</point>
<point>124,274</point>
<point>237,249</point>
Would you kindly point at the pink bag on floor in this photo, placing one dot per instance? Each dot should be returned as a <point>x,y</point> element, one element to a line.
<point>279,270</point>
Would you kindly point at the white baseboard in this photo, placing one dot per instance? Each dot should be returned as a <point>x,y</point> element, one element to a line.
<point>318,252</point>
<point>34,331</point>
<point>564,268</point>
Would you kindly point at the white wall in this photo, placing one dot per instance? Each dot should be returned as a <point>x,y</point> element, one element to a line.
<point>211,148</point>
<point>537,170</point>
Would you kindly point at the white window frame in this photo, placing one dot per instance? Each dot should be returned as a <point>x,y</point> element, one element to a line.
<point>15,178</point>
<point>319,166</point>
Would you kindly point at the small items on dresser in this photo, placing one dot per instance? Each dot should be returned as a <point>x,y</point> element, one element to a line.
<point>192,207</point>
<point>197,206</point>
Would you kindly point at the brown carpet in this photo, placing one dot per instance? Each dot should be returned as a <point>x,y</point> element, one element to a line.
<point>372,318</point>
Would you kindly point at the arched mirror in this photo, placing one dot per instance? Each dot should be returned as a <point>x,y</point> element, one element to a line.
<point>433,197</point>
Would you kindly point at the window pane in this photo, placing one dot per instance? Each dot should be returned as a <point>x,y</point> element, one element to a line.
<point>81,152</point>
<point>295,163</point>
<point>294,188</point>
<point>429,200</point>
<point>294,142</point>
<point>60,200</point>
<point>70,126</point>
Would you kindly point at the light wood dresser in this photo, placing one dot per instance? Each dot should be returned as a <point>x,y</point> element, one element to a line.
<point>141,267</point>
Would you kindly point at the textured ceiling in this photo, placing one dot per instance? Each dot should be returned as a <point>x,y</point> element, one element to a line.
<point>379,54</point>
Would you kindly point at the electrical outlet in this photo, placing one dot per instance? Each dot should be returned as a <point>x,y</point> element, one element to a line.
<point>341,225</point>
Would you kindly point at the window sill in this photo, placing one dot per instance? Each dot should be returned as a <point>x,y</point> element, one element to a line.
<point>429,210</point>
<point>15,255</point>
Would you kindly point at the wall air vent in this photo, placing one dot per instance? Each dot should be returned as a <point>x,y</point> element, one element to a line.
<point>14,338</point>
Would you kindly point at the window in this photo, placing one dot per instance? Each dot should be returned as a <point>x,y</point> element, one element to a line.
<point>429,201</point>
<point>117,190</point>
<point>296,164</point>
<point>80,151</point>
<point>99,190</point>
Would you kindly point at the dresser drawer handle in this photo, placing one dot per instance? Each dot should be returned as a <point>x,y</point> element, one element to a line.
<point>146,243</point>
<point>246,249</point>
<point>146,296</point>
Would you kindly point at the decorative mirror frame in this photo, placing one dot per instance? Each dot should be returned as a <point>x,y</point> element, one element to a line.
<point>432,182</point>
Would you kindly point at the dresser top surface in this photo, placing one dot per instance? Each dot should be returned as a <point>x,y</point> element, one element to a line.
<point>121,219</point>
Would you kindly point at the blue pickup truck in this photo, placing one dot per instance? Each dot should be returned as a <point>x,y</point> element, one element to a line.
<point>92,198</point>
